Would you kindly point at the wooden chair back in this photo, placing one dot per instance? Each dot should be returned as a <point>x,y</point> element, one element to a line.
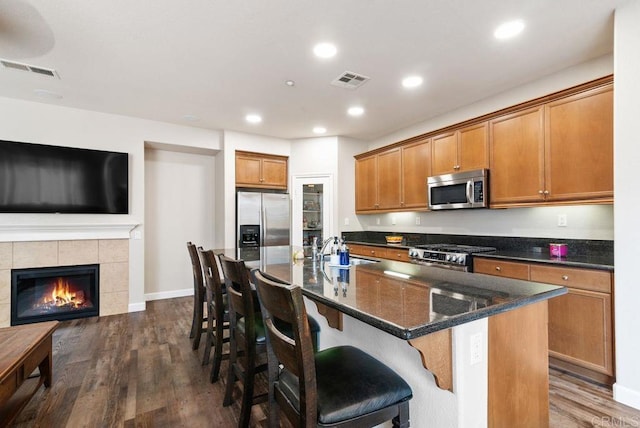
<point>242,300</point>
<point>296,355</point>
<point>198,282</point>
<point>213,285</point>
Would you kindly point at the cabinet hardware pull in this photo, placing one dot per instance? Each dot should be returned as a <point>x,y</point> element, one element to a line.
<point>540,192</point>
<point>565,277</point>
<point>546,192</point>
<point>498,268</point>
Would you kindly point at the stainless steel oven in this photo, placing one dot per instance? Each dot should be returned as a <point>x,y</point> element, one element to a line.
<point>467,189</point>
<point>449,256</point>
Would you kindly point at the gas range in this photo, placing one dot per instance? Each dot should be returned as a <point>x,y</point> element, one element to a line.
<point>449,256</point>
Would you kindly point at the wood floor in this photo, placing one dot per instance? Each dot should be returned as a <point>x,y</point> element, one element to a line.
<point>138,370</point>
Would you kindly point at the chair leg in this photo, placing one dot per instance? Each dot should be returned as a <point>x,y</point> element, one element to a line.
<point>198,315</point>
<point>217,351</point>
<point>402,420</point>
<point>247,388</point>
<point>208,340</point>
<point>192,334</point>
<point>231,377</point>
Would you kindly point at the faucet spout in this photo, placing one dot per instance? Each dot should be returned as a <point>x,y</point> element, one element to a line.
<point>324,247</point>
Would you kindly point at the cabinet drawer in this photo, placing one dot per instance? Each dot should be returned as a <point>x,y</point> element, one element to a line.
<point>400,254</point>
<point>501,268</point>
<point>367,251</point>
<point>584,279</point>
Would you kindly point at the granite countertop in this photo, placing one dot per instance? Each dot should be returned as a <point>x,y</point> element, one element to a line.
<point>406,300</point>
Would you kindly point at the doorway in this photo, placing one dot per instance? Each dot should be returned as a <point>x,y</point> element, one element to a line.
<point>312,212</point>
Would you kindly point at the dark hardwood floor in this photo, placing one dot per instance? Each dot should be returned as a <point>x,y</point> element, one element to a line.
<point>138,370</point>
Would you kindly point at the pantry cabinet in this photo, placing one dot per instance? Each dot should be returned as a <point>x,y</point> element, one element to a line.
<point>580,322</point>
<point>559,152</point>
<point>260,170</point>
<point>394,179</point>
<point>464,149</point>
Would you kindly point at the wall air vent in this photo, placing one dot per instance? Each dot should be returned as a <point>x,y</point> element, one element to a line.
<point>31,68</point>
<point>350,80</point>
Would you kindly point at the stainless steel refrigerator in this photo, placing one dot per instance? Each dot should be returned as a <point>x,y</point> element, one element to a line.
<point>262,219</point>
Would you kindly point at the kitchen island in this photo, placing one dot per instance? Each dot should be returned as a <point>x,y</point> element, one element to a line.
<point>483,338</point>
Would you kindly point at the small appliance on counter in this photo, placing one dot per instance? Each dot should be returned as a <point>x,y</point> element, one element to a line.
<point>449,256</point>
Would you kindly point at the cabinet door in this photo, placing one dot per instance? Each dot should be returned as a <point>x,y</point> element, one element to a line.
<point>517,158</point>
<point>580,329</point>
<point>444,149</point>
<point>473,147</point>
<point>390,303</point>
<point>579,146</point>
<point>389,179</point>
<point>366,188</point>
<point>247,170</point>
<point>416,305</point>
<point>416,167</point>
<point>501,268</point>
<point>274,173</point>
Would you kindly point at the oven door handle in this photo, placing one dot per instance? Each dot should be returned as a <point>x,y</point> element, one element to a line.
<point>470,191</point>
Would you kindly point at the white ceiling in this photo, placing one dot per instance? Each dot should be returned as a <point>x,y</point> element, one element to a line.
<point>222,59</point>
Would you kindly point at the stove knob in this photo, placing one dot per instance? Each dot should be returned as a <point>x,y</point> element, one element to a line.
<point>454,258</point>
<point>449,258</point>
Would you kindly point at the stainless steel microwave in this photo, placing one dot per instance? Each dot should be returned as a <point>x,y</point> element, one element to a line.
<point>468,189</point>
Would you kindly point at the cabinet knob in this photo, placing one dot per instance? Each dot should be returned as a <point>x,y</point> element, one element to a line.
<point>373,252</point>
<point>546,192</point>
<point>498,268</point>
<point>540,192</point>
<point>565,277</point>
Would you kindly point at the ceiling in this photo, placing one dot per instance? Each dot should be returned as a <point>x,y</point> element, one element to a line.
<point>216,61</point>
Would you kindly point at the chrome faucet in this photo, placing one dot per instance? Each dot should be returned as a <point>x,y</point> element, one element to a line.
<point>324,247</point>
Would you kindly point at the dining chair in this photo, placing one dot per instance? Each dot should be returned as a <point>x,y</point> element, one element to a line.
<point>340,386</point>
<point>198,297</point>
<point>246,342</point>
<point>218,310</point>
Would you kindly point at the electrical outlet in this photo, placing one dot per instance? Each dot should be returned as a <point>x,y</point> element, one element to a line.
<point>393,219</point>
<point>475,354</point>
<point>417,220</point>
<point>346,221</point>
<point>562,220</point>
<point>378,221</point>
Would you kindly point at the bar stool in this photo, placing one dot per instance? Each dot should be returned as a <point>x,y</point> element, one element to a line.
<point>336,387</point>
<point>246,336</point>
<point>198,297</point>
<point>218,310</point>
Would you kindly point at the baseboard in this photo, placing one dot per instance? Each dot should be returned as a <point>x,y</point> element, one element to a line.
<point>168,294</point>
<point>626,396</point>
<point>137,307</point>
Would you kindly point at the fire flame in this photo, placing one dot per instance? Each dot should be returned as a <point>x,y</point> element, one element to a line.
<point>63,295</point>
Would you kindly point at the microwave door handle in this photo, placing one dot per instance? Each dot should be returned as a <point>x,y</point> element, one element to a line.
<point>470,191</point>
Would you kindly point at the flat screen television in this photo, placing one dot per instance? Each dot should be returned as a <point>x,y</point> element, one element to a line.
<point>36,178</point>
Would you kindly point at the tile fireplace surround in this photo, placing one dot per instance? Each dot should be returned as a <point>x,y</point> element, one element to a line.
<point>111,254</point>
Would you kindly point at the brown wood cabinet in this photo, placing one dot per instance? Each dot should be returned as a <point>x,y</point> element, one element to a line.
<point>261,170</point>
<point>394,179</point>
<point>580,322</point>
<point>390,253</point>
<point>559,152</point>
<point>461,150</point>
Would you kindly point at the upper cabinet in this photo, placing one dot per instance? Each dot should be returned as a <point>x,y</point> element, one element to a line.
<point>261,170</point>
<point>464,149</point>
<point>394,179</point>
<point>559,152</point>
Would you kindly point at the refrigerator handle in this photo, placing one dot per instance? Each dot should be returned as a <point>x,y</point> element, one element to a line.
<point>263,220</point>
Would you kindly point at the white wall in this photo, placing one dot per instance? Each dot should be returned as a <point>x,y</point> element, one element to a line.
<point>49,124</point>
<point>627,201</point>
<point>179,207</point>
<point>248,142</point>
<point>584,222</point>
<point>346,202</point>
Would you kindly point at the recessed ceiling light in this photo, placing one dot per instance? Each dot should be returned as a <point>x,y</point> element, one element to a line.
<point>412,81</point>
<point>191,117</point>
<point>325,50</point>
<point>253,118</point>
<point>290,83</point>
<point>44,93</point>
<point>319,130</point>
<point>355,111</point>
<point>508,29</point>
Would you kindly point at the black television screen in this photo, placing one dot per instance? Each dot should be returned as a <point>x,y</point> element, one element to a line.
<point>36,178</point>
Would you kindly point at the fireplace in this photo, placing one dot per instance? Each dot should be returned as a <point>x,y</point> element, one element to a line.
<point>54,293</point>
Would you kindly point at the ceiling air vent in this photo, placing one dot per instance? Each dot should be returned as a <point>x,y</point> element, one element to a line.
<point>26,67</point>
<point>350,80</point>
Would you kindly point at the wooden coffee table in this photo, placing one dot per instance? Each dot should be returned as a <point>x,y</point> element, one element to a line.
<point>22,349</point>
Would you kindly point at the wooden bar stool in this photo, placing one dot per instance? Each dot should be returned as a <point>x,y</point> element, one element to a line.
<point>218,311</point>
<point>198,297</point>
<point>246,341</point>
<point>336,387</point>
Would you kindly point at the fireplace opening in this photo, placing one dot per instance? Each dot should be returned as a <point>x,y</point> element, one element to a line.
<point>54,293</point>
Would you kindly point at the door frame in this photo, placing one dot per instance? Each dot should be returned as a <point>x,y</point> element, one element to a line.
<point>328,205</point>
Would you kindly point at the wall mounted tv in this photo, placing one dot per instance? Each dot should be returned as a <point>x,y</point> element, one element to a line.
<point>36,178</point>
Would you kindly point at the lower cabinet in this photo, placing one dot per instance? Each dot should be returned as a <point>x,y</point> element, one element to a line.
<point>390,253</point>
<point>580,322</point>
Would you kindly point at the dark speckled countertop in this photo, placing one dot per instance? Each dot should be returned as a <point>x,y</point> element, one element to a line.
<point>404,299</point>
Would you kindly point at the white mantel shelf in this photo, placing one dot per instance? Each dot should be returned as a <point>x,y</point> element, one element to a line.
<point>64,232</point>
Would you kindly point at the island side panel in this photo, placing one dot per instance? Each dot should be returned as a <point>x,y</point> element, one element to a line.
<point>519,368</point>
